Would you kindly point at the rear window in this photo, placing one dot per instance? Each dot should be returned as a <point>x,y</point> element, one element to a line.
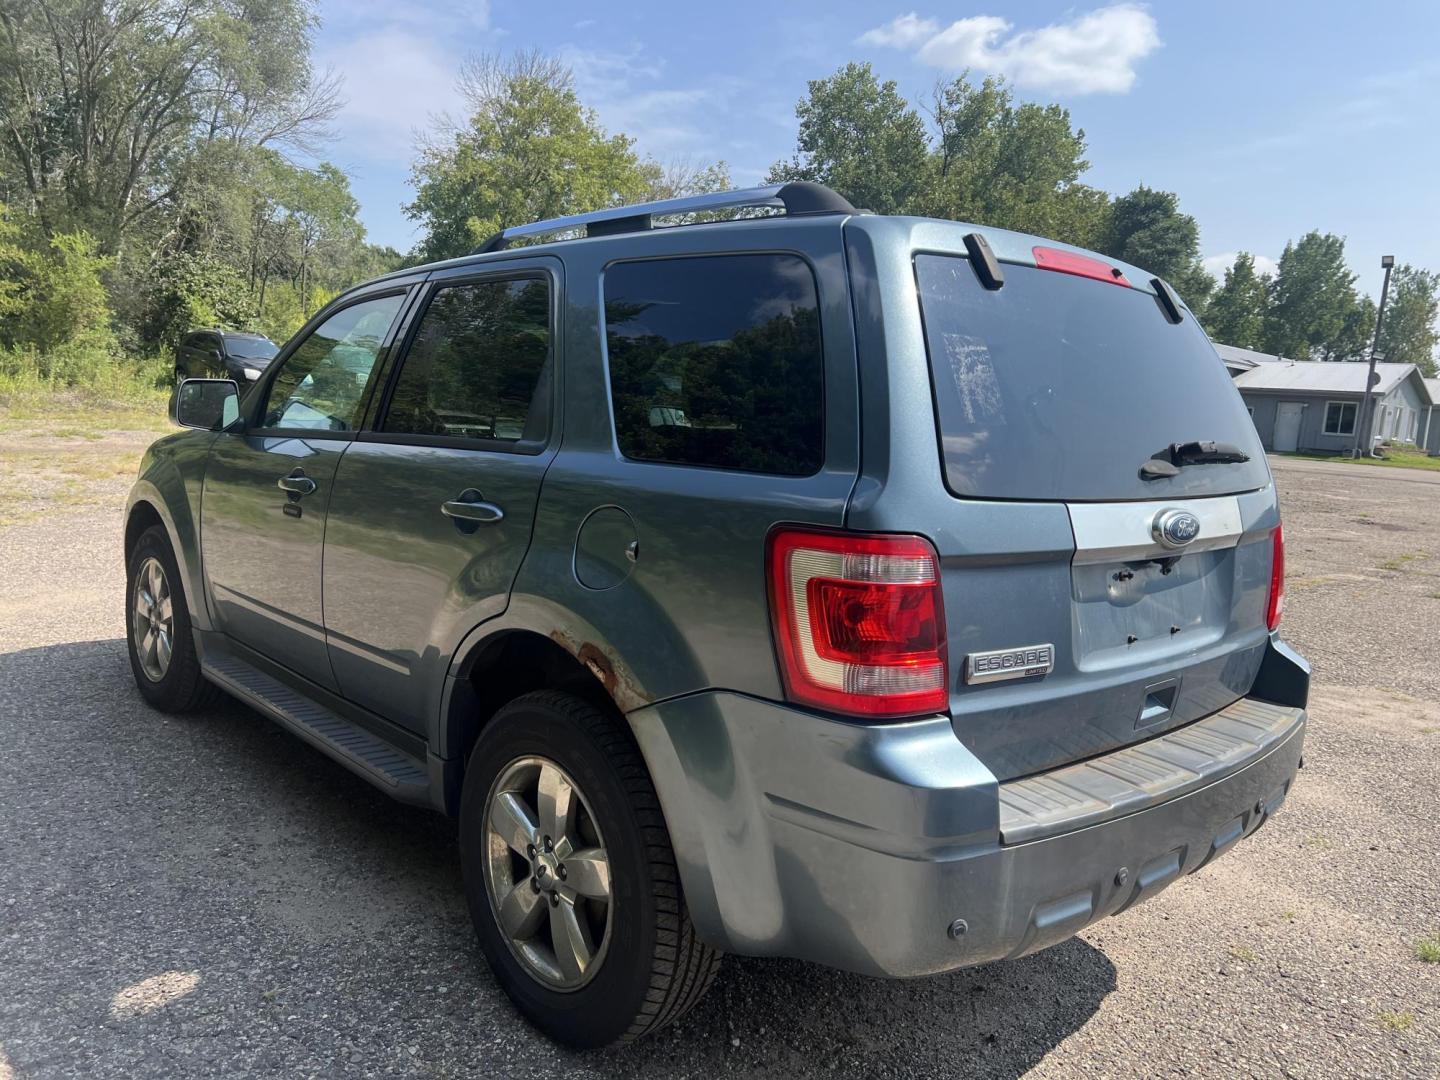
<point>1056,388</point>
<point>716,361</point>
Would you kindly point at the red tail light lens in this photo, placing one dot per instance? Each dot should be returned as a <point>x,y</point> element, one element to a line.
<point>1276,607</point>
<point>1067,262</point>
<point>859,622</point>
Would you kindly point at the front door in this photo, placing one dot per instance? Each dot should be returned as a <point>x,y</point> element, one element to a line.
<point>432,511</point>
<point>1287,425</point>
<point>267,487</point>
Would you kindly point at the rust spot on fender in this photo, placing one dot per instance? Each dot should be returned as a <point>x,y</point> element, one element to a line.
<point>617,681</point>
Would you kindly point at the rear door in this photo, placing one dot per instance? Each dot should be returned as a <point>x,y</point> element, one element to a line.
<point>267,487</point>
<point>432,510</point>
<point>1073,628</point>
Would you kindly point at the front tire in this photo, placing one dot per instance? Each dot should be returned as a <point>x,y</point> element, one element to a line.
<point>570,876</point>
<point>157,628</point>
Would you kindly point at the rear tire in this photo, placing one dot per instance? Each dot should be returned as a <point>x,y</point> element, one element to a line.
<point>647,967</point>
<point>157,629</point>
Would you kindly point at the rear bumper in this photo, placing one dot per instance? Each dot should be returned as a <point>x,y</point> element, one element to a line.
<point>866,847</point>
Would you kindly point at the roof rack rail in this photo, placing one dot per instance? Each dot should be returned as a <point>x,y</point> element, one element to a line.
<point>797,198</point>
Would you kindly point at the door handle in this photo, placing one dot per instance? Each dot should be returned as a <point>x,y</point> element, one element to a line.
<point>471,508</point>
<point>297,483</point>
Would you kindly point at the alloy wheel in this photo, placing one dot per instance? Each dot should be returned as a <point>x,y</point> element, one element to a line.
<point>547,873</point>
<point>152,620</point>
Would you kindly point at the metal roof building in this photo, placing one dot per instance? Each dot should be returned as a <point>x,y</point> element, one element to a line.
<point>1430,430</point>
<point>1311,406</point>
<point>1238,360</point>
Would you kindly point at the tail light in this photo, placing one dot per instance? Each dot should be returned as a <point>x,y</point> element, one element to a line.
<point>859,622</point>
<point>1068,262</point>
<point>1276,607</point>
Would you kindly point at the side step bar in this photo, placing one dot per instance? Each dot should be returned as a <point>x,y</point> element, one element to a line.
<point>362,752</point>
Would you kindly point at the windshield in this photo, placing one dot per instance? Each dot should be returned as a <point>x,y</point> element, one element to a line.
<point>252,348</point>
<point>1057,388</point>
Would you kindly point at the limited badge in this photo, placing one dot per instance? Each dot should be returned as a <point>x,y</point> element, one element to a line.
<point>1029,661</point>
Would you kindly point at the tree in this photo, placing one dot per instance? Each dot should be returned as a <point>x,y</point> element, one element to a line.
<point>1312,297</point>
<point>1147,228</point>
<point>1236,313</point>
<point>858,136</point>
<point>1007,165</point>
<point>528,150</point>
<point>1409,334</point>
<point>102,105</point>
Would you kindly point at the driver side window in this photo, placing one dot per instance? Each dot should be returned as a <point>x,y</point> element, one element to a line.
<point>322,385</point>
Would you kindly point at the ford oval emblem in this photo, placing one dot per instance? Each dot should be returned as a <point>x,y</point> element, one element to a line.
<point>1175,528</point>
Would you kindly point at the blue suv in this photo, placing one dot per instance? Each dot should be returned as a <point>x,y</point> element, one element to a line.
<point>890,593</point>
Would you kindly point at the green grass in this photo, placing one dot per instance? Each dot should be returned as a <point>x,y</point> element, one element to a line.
<point>1398,563</point>
<point>1244,955</point>
<point>1396,1021</point>
<point>1427,949</point>
<point>1394,459</point>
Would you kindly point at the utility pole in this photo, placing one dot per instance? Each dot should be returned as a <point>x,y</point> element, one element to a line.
<point>1388,263</point>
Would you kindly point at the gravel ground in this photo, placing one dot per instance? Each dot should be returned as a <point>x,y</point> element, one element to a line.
<point>208,897</point>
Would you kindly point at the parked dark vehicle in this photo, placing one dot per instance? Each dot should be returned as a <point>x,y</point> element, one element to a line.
<point>223,354</point>
<point>889,593</point>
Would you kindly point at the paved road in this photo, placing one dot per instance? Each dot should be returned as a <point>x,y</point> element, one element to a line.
<point>209,897</point>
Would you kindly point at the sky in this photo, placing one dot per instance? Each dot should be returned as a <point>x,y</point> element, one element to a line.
<point>1268,119</point>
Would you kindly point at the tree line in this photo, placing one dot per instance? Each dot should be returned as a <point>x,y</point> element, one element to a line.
<point>161,168</point>
<point>159,171</point>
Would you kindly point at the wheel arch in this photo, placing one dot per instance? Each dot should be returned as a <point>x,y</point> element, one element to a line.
<point>147,507</point>
<point>492,670</point>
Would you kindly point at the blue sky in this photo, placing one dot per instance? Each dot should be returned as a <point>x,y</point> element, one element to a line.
<point>1268,119</point>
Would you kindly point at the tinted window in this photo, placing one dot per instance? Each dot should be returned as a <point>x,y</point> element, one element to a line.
<point>476,367</point>
<point>717,361</point>
<point>1055,387</point>
<point>322,383</point>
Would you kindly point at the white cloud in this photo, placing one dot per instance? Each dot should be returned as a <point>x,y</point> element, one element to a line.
<point>904,32</point>
<point>395,80</point>
<point>1216,265</point>
<point>1094,53</point>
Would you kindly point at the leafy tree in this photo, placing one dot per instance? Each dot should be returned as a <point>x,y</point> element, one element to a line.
<point>103,105</point>
<point>186,290</point>
<point>528,150</point>
<point>51,290</point>
<point>1236,313</point>
<point>1314,311</point>
<point>1007,165</point>
<point>858,136</point>
<point>1147,228</point>
<point>1409,334</point>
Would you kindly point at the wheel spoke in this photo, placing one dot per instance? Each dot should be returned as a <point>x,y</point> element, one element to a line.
<point>147,646</point>
<point>157,580</point>
<point>522,911</point>
<point>556,802</point>
<point>573,950</point>
<point>162,648</point>
<point>165,610</point>
<point>512,820</point>
<point>144,602</point>
<point>587,871</point>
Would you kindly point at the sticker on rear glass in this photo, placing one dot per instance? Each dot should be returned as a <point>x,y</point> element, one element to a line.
<point>1028,661</point>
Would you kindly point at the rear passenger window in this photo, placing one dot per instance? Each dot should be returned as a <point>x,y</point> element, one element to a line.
<point>478,366</point>
<point>716,361</point>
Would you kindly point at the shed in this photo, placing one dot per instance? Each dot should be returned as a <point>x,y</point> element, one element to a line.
<point>1312,406</point>
<point>1430,426</point>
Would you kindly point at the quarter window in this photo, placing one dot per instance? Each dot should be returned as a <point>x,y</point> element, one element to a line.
<point>478,366</point>
<point>321,387</point>
<point>1339,418</point>
<point>716,361</point>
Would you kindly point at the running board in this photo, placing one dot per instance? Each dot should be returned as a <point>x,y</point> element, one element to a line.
<point>362,752</point>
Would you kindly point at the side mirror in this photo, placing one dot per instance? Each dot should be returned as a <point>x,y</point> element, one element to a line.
<point>207,404</point>
<point>215,355</point>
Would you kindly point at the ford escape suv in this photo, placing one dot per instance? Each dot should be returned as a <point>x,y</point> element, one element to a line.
<point>889,593</point>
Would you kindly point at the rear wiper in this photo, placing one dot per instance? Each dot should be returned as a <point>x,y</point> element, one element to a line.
<point>1169,461</point>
